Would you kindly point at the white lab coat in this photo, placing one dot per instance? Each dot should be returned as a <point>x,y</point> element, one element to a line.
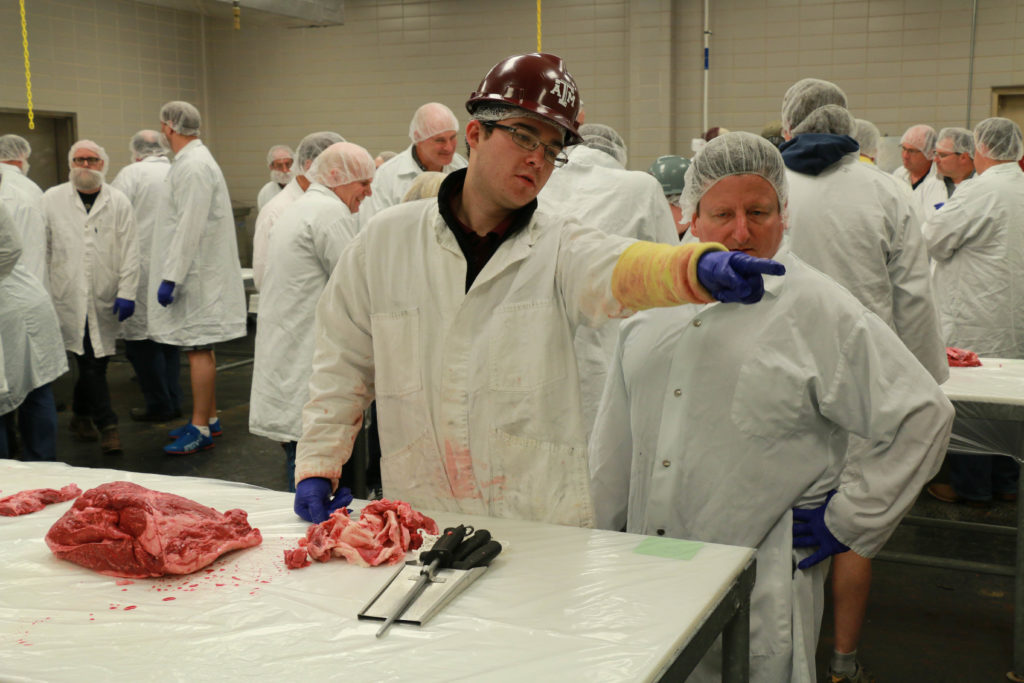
<point>595,189</point>
<point>477,395</point>
<point>265,220</point>
<point>856,225</point>
<point>267,192</point>
<point>977,242</point>
<point>28,217</point>
<point>194,246</point>
<point>392,181</point>
<point>928,194</point>
<point>13,175</point>
<point>93,258</point>
<point>718,419</point>
<point>143,183</point>
<point>304,248</point>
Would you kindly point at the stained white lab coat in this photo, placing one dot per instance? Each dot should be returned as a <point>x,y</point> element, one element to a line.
<point>718,419</point>
<point>143,183</point>
<point>929,193</point>
<point>267,192</point>
<point>194,246</point>
<point>392,181</point>
<point>595,189</point>
<point>855,224</point>
<point>977,242</point>
<point>304,248</point>
<point>265,220</point>
<point>13,175</point>
<point>93,258</point>
<point>27,215</point>
<point>477,393</point>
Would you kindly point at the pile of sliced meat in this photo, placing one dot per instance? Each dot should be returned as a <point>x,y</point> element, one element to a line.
<point>961,358</point>
<point>34,500</point>
<point>123,529</point>
<point>385,531</point>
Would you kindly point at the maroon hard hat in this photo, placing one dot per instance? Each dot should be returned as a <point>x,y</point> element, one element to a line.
<point>536,82</point>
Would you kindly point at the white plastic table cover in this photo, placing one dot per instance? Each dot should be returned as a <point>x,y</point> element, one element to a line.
<point>989,403</point>
<point>559,603</point>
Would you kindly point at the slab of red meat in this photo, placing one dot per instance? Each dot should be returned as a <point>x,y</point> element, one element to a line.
<point>961,358</point>
<point>34,500</point>
<point>123,529</point>
<point>385,531</point>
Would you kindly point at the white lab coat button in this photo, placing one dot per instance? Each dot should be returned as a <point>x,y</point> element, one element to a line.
<point>678,392</point>
<point>661,532</point>
<point>665,463</point>
<point>696,323</point>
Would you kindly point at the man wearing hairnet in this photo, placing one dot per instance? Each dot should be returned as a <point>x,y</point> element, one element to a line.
<point>728,424</point>
<point>954,157</point>
<point>434,132</point>
<point>304,248</point>
<point>917,150</point>
<point>93,261</point>
<point>23,205</point>
<point>196,298</point>
<point>156,365</point>
<point>856,224</point>
<point>670,171</point>
<point>596,189</point>
<point>14,165</point>
<point>866,135</point>
<point>308,150</point>
<point>279,161</point>
<point>977,245</point>
<point>457,314</point>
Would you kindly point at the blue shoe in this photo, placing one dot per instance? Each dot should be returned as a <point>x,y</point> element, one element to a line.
<point>215,429</point>
<point>191,441</point>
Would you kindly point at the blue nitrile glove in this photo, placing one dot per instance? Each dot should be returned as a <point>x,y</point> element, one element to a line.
<point>165,294</point>
<point>735,277</point>
<point>809,531</point>
<point>123,308</point>
<point>313,499</point>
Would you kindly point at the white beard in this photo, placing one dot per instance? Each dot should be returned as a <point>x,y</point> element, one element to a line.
<point>86,179</point>
<point>281,177</point>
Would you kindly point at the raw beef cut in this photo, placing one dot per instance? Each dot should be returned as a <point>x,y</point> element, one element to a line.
<point>24,502</point>
<point>961,358</point>
<point>123,529</point>
<point>386,530</point>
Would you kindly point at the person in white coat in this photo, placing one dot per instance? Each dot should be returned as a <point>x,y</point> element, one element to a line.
<point>977,244</point>
<point>728,424</point>
<point>93,261</point>
<point>434,132</point>
<point>31,350</point>
<point>27,214</point>
<point>308,150</point>
<point>457,314</point>
<point>596,189</point>
<point>14,165</point>
<point>954,157</point>
<point>279,160</point>
<point>917,150</point>
<point>196,297</point>
<point>304,248</point>
<point>156,365</point>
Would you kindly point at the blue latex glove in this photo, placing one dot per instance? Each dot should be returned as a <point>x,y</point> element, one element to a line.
<point>735,277</point>
<point>313,499</point>
<point>165,294</point>
<point>123,308</point>
<point>809,531</point>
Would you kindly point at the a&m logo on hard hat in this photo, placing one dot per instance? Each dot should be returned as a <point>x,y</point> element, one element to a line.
<point>565,91</point>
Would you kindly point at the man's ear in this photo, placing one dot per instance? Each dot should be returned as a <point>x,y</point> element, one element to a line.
<point>473,129</point>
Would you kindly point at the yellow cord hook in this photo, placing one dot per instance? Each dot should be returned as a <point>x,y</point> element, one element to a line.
<point>28,68</point>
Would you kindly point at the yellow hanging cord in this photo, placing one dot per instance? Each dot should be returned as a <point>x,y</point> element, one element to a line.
<point>237,12</point>
<point>538,26</point>
<point>28,68</point>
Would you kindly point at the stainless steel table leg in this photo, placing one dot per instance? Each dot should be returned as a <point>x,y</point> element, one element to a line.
<point>736,641</point>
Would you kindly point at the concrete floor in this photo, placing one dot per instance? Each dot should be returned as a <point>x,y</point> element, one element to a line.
<point>924,624</point>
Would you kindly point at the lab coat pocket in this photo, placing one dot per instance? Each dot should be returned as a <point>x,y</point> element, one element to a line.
<point>415,474</point>
<point>529,346</point>
<point>396,352</point>
<point>770,397</point>
<point>540,481</point>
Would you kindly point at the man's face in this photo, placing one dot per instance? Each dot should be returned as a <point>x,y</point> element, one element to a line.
<point>741,212</point>
<point>914,159</point>
<point>437,152</point>
<point>951,164</point>
<point>87,169</point>
<point>283,164</point>
<point>353,194</point>
<point>511,175</point>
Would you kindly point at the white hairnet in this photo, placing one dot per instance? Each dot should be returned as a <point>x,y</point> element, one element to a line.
<point>737,153</point>
<point>999,139</point>
<point>606,139</point>
<point>426,184</point>
<point>805,96</point>
<point>340,164</point>
<point>921,137</point>
<point>14,148</point>
<point>866,134</point>
<point>430,119</point>
<point>962,139</point>
<point>102,153</point>
<point>182,117</point>
<point>311,147</point>
<point>279,152</point>
<point>831,118</point>
<point>147,143</point>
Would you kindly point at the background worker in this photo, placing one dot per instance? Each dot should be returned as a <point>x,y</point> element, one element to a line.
<point>14,165</point>
<point>917,150</point>
<point>670,171</point>
<point>279,161</point>
<point>954,157</point>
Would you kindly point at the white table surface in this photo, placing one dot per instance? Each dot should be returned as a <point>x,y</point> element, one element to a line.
<point>997,380</point>
<point>560,603</point>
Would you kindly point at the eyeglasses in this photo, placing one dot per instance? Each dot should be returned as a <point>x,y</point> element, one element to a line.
<point>944,155</point>
<point>555,156</point>
<point>910,150</point>
<point>86,161</point>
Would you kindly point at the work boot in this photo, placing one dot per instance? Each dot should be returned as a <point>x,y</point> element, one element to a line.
<point>82,429</point>
<point>111,441</point>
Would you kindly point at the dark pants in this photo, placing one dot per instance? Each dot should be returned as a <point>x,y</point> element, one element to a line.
<point>980,477</point>
<point>157,366</point>
<point>37,424</point>
<point>289,454</point>
<point>92,396</point>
